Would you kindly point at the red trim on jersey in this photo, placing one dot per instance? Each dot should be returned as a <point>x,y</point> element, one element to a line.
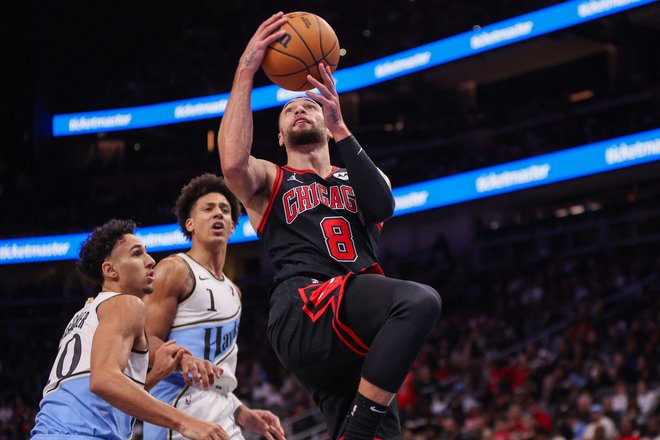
<point>332,171</point>
<point>332,291</point>
<point>297,171</point>
<point>273,193</point>
<point>351,340</point>
<point>336,323</point>
<point>321,290</point>
<point>379,226</point>
<point>374,268</point>
<point>347,343</point>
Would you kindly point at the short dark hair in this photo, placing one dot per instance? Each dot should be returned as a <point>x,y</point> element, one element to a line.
<point>99,244</point>
<point>200,186</point>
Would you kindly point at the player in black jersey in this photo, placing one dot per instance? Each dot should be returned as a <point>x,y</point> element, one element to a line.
<point>347,332</point>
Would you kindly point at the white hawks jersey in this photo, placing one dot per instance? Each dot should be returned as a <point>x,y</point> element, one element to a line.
<point>206,323</point>
<point>68,407</point>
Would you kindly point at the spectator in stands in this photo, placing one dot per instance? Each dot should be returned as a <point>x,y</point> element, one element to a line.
<point>601,426</point>
<point>646,399</point>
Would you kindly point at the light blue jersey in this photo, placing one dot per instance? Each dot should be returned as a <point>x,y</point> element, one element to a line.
<point>69,410</point>
<point>206,323</point>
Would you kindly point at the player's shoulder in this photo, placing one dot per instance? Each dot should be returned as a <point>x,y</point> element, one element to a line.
<point>173,277</point>
<point>122,312</point>
<point>122,303</point>
<point>173,264</point>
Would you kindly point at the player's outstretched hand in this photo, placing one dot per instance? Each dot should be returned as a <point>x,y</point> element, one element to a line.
<point>328,98</point>
<point>195,429</point>
<point>268,32</point>
<point>167,359</point>
<point>199,372</point>
<point>260,421</point>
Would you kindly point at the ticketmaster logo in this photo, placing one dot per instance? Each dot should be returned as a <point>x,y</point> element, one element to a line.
<point>493,181</point>
<point>82,123</point>
<point>27,251</point>
<point>393,67</point>
<point>157,240</point>
<point>594,7</point>
<point>411,200</point>
<point>508,33</point>
<point>624,152</point>
<point>204,108</point>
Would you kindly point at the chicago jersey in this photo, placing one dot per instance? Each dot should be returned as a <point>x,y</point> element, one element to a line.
<point>68,407</point>
<point>313,226</point>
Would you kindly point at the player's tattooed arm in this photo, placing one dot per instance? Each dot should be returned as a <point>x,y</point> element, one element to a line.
<point>329,99</point>
<point>336,117</point>
<point>250,58</point>
<point>189,282</point>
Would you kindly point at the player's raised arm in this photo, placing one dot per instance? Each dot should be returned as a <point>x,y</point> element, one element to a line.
<point>372,188</point>
<point>245,174</point>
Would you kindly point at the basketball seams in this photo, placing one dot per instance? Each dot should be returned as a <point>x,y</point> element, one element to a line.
<point>282,75</point>
<point>291,56</point>
<point>325,54</point>
<point>328,53</point>
<point>289,63</point>
<point>311,53</point>
<point>318,27</point>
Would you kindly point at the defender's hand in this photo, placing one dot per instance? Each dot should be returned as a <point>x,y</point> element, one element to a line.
<point>199,372</point>
<point>260,421</point>
<point>200,430</point>
<point>167,359</point>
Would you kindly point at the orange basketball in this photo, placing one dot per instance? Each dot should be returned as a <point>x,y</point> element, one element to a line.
<point>309,40</point>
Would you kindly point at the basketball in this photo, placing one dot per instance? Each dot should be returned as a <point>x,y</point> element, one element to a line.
<point>309,40</point>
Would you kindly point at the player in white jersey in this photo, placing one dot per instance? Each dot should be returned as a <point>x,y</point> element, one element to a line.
<point>96,385</point>
<point>196,304</point>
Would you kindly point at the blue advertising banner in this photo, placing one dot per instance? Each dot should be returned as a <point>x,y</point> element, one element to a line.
<point>443,51</point>
<point>535,171</point>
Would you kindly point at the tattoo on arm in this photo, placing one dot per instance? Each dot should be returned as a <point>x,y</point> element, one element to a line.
<point>190,280</point>
<point>249,58</point>
<point>334,115</point>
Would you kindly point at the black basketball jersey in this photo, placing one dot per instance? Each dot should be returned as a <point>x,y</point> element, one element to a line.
<point>313,226</point>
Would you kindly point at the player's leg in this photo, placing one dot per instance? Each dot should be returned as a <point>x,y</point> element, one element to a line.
<point>393,317</point>
<point>327,362</point>
<point>333,391</point>
<point>327,357</point>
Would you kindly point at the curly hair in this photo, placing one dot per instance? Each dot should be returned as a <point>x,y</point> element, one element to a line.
<point>98,245</point>
<point>198,187</point>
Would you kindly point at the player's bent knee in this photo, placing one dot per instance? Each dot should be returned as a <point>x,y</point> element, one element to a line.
<point>426,303</point>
